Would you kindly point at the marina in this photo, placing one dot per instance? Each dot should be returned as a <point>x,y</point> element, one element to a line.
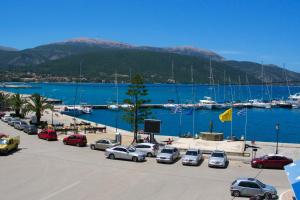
<point>177,115</point>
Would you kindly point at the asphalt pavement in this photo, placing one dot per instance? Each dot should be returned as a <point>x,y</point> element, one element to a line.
<point>42,170</point>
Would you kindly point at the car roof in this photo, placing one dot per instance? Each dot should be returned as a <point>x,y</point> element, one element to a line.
<point>80,135</point>
<point>269,155</point>
<point>169,147</point>
<point>218,151</point>
<point>193,150</point>
<point>247,179</point>
<point>145,143</point>
<point>120,146</point>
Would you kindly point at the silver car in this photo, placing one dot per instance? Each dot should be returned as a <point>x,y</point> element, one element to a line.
<point>192,157</point>
<point>13,121</point>
<point>20,125</point>
<point>218,159</point>
<point>125,153</point>
<point>168,155</point>
<point>252,187</point>
<point>148,148</point>
<point>103,144</point>
<point>6,117</point>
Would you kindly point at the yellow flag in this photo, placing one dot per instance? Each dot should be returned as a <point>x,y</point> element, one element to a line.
<point>226,116</point>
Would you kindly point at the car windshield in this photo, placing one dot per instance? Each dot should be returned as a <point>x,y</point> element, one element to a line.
<point>23,123</point>
<point>3,141</point>
<point>131,149</point>
<point>261,184</point>
<point>169,151</point>
<point>191,153</point>
<point>218,155</point>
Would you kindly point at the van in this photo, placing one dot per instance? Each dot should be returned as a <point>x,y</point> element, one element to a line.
<point>48,134</point>
<point>76,140</point>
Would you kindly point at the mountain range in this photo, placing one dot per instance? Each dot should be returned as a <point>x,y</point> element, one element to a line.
<point>101,59</point>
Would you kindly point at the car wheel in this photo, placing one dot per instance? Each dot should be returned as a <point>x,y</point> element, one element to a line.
<point>17,146</point>
<point>65,143</point>
<point>268,196</point>
<point>260,166</point>
<point>135,159</point>
<point>6,151</point>
<point>111,156</point>
<point>149,154</point>
<point>236,193</point>
<point>93,147</point>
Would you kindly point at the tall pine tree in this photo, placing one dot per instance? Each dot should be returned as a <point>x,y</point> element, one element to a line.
<point>135,114</point>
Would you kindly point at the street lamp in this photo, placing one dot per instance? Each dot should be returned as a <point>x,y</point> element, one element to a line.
<point>277,132</point>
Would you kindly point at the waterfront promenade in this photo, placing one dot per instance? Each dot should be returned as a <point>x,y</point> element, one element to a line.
<point>234,148</point>
<point>42,170</point>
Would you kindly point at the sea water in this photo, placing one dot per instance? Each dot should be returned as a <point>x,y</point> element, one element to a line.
<point>260,126</point>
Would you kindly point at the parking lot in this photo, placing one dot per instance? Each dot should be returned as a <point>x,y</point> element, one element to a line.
<point>42,170</point>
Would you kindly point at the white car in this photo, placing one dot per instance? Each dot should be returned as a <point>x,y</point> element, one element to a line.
<point>6,117</point>
<point>218,159</point>
<point>192,157</point>
<point>125,153</point>
<point>168,155</point>
<point>148,148</point>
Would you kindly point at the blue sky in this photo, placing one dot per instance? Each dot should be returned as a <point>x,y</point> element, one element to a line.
<point>255,30</point>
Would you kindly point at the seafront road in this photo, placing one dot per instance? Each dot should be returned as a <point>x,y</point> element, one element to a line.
<point>42,170</point>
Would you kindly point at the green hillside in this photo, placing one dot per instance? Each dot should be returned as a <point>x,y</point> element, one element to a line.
<point>101,59</point>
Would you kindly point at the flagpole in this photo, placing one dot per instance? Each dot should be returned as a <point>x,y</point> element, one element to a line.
<point>246,124</point>
<point>231,129</point>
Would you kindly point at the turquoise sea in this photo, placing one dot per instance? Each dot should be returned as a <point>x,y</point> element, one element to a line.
<point>260,126</point>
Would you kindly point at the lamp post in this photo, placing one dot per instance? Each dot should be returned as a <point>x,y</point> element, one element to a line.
<point>277,133</point>
<point>52,117</point>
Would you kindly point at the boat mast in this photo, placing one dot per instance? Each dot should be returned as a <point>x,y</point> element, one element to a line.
<point>262,80</point>
<point>287,81</point>
<point>249,90</point>
<point>117,100</point>
<point>211,79</point>
<point>193,93</point>
<point>231,107</point>
<point>224,79</point>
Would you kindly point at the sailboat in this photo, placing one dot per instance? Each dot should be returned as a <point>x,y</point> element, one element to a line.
<point>115,105</point>
<point>171,103</point>
<point>257,103</point>
<point>208,103</point>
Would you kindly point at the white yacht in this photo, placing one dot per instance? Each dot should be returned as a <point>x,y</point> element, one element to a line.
<point>206,103</point>
<point>259,104</point>
<point>295,100</point>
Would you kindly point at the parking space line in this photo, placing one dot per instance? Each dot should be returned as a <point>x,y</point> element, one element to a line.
<point>60,191</point>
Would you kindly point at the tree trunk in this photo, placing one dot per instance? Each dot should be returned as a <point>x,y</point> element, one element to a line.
<point>38,117</point>
<point>17,111</point>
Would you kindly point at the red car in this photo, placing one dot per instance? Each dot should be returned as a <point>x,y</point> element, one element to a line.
<point>271,161</point>
<point>48,134</point>
<point>76,140</point>
<point>2,114</point>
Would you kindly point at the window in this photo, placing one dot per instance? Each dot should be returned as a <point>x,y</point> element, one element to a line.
<point>253,185</point>
<point>272,158</point>
<point>218,155</point>
<point>243,184</point>
<point>120,149</point>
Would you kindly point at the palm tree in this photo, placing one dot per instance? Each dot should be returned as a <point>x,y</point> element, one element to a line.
<point>17,103</point>
<point>4,99</point>
<point>38,104</point>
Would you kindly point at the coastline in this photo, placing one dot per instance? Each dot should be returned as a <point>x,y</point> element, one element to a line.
<point>234,148</point>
